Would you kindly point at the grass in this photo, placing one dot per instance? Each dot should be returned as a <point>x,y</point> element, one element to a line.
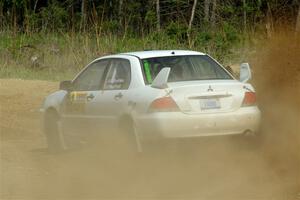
<point>59,56</point>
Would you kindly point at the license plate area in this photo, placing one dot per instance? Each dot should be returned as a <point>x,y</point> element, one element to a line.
<point>207,104</point>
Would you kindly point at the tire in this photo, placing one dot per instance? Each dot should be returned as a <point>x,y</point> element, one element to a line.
<point>251,141</point>
<point>130,136</point>
<point>52,131</point>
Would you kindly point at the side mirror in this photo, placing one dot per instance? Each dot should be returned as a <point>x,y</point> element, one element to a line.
<point>65,85</point>
<point>161,79</point>
<point>245,72</point>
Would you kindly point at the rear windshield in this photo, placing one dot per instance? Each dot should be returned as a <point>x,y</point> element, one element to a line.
<point>184,68</point>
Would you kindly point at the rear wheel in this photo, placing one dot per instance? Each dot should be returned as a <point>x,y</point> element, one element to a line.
<point>53,133</point>
<point>250,140</point>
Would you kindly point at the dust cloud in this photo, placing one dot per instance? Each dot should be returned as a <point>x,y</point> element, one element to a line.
<point>206,168</point>
<point>277,80</point>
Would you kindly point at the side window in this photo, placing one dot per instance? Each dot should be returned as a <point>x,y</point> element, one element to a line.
<point>90,78</point>
<point>118,76</point>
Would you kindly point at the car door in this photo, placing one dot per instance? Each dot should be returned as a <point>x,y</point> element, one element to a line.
<point>112,102</point>
<point>86,86</point>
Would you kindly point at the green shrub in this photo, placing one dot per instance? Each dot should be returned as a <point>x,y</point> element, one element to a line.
<point>54,17</point>
<point>176,31</point>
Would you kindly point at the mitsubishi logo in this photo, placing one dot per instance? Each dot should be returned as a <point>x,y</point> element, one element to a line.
<point>209,89</point>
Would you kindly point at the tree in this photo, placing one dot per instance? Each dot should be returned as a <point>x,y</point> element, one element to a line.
<point>158,14</point>
<point>213,13</point>
<point>191,21</point>
<point>1,15</point>
<point>83,15</point>
<point>136,16</point>
<point>206,10</point>
<point>120,15</point>
<point>192,15</point>
<point>244,15</point>
<point>14,16</point>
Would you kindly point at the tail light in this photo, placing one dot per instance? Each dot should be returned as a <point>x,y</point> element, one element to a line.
<point>164,104</point>
<point>249,99</point>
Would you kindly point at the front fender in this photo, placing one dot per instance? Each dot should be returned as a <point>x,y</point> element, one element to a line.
<point>54,100</point>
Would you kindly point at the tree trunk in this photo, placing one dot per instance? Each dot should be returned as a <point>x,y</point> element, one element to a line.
<point>192,15</point>
<point>213,13</point>
<point>191,21</point>
<point>110,10</point>
<point>120,14</point>
<point>83,15</point>
<point>206,10</point>
<point>177,11</point>
<point>245,15</point>
<point>298,22</point>
<point>26,22</point>
<point>158,14</point>
<point>72,19</point>
<point>14,17</point>
<point>1,16</point>
<point>35,4</point>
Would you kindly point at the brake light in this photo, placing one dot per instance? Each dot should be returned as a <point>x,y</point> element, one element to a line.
<point>249,99</point>
<point>164,104</point>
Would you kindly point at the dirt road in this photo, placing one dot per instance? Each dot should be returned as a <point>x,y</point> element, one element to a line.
<point>221,168</point>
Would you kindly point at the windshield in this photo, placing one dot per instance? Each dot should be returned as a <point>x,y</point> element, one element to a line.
<point>184,68</point>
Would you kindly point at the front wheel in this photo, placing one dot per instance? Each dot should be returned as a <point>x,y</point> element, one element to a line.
<point>54,137</point>
<point>130,136</point>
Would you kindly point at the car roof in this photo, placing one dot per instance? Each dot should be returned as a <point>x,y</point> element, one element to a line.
<point>161,53</point>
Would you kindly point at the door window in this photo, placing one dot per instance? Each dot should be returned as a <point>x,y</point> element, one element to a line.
<point>90,78</point>
<point>118,76</point>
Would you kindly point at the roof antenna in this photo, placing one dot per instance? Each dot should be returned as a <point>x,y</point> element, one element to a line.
<point>173,52</point>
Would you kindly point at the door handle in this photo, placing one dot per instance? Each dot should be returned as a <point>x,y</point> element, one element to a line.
<point>118,96</point>
<point>90,97</point>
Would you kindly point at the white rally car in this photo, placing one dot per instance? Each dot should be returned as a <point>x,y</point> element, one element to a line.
<point>152,94</point>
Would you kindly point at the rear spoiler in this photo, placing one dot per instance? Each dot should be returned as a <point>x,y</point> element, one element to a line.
<point>161,80</point>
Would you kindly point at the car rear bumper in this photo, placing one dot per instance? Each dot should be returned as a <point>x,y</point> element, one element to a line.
<point>176,124</point>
